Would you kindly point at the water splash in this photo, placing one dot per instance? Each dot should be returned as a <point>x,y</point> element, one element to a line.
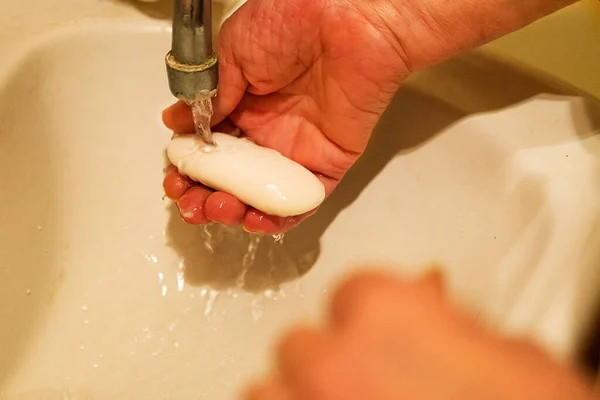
<point>249,258</point>
<point>151,258</point>
<point>257,309</point>
<point>250,255</point>
<point>180,276</point>
<point>279,238</point>
<point>210,302</point>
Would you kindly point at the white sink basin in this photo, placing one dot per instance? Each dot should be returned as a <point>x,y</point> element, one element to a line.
<point>106,294</point>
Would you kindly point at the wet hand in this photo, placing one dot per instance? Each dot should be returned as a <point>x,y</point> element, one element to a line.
<point>310,78</point>
<point>389,339</point>
<point>296,76</point>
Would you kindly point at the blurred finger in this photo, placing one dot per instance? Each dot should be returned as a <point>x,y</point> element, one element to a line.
<point>175,184</point>
<point>433,280</point>
<point>297,354</point>
<point>272,391</point>
<point>225,208</point>
<point>353,297</point>
<point>191,205</point>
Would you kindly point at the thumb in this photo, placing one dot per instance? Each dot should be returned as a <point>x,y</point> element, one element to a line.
<point>232,83</point>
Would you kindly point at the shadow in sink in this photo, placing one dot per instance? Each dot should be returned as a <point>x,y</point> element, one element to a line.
<point>228,257</point>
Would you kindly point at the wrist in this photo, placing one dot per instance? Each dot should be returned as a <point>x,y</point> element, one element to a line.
<point>430,31</point>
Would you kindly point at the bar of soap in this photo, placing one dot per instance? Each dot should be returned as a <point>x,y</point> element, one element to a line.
<point>260,177</point>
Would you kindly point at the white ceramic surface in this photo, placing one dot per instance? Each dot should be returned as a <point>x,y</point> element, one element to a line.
<point>106,294</point>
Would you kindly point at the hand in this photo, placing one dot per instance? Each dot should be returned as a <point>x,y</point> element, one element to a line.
<point>307,78</point>
<point>310,78</point>
<point>390,339</point>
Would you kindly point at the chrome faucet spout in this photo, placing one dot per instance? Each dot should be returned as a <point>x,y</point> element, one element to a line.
<point>192,64</point>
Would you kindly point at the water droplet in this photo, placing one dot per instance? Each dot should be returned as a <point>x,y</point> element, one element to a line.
<point>180,281</point>
<point>161,277</point>
<point>151,258</point>
<point>272,295</point>
<point>84,307</point>
<point>257,309</point>
<point>172,326</point>
<point>279,238</point>
<point>95,365</point>
<point>28,292</point>
<point>150,236</point>
<point>212,298</point>
<point>82,347</point>
<point>39,228</point>
<point>176,344</point>
<point>163,290</point>
<point>86,321</point>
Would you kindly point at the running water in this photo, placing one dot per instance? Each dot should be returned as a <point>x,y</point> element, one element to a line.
<point>202,111</point>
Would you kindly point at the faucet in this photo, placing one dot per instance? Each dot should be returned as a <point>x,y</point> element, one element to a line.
<point>192,64</point>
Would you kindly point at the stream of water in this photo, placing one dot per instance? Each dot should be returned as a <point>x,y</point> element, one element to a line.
<point>202,111</point>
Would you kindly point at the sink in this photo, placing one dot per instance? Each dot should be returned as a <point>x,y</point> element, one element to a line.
<point>486,170</point>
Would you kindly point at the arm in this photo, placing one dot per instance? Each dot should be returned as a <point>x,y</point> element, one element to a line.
<point>430,31</point>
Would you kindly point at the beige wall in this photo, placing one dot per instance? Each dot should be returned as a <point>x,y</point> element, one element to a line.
<point>566,45</point>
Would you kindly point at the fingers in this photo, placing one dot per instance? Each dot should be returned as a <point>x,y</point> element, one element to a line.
<point>259,222</point>
<point>360,297</point>
<point>192,203</point>
<point>200,205</point>
<point>175,184</point>
<point>297,350</point>
<point>225,208</point>
<point>273,391</point>
<point>355,296</point>
<point>232,83</point>
<point>178,118</point>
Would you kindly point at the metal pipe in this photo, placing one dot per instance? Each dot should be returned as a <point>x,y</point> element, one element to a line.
<point>192,64</point>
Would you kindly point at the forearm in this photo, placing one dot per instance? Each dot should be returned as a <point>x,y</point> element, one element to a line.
<point>429,31</point>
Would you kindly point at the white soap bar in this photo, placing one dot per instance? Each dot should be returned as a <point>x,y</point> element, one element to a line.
<point>260,177</point>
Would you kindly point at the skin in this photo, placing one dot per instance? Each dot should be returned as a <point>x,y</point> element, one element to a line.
<point>311,78</point>
<point>391,339</point>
